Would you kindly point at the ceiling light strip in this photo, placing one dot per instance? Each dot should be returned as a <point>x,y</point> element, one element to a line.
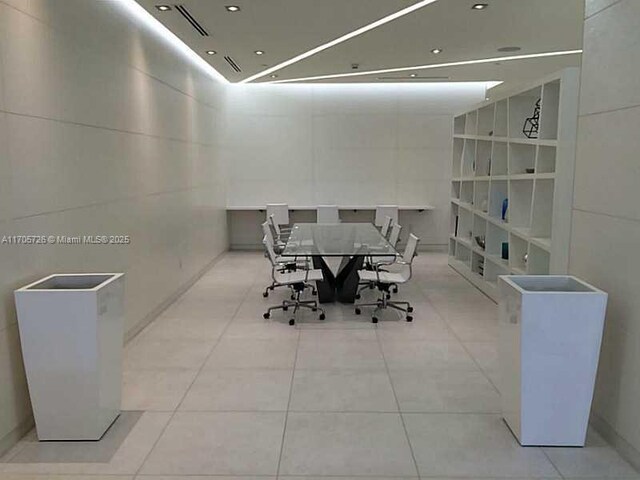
<point>432,66</point>
<point>343,38</point>
<point>138,12</point>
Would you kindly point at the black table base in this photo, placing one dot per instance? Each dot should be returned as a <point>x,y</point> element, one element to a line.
<point>343,286</point>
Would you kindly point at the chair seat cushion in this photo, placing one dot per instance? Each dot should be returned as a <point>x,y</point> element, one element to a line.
<point>299,276</point>
<point>385,277</point>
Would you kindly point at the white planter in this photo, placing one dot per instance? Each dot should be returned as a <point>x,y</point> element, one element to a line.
<point>550,335</point>
<point>71,330</point>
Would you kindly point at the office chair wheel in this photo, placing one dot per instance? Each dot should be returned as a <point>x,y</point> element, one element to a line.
<point>321,317</point>
<point>284,309</point>
<point>374,319</point>
<point>388,296</point>
<point>266,315</point>
<point>265,294</point>
<point>292,321</point>
<point>314,292</point>
<point>293,297</point>
<point>358,311</point>
<point>409,309</point>
<point>409,318</point>
<point>371,286</point>
<point>314,309</point>
<point>395,289</point>
<point>357,297</point>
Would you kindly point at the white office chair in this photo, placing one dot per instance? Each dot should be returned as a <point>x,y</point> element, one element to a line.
<point>298,281</point>
<point>285,264</point>
<point>386,224</point>
<point>384,280</point>
<point>328,214</point>
<point>280,214</point>
<point>383,211</point>
<point>385,260</point>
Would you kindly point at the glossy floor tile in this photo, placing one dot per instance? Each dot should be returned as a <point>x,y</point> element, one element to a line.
<point>227,395</point>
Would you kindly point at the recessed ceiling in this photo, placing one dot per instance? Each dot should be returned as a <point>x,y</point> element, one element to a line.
<point>283,29</point>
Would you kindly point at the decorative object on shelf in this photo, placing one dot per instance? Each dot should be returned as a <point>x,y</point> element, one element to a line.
<point>505,208</point>
<point>532,124</point>
<point>483,205</point>
<point>530,170</point>
<point>525,258</point>
<point>505,250</point>
<point>481,266</point>
<point>480,241</point>
<point>491,133</point>
<point>455,234</point>
<point>489,166</point>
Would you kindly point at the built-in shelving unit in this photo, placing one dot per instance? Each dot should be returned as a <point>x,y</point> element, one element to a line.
<point>494,161</point>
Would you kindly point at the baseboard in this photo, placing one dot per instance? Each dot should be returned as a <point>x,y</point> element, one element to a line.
<point>624,448</point>
<point>151,316</point>
<point>10,439</point>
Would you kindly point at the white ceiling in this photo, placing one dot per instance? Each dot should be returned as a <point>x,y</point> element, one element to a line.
<point>286,28</point>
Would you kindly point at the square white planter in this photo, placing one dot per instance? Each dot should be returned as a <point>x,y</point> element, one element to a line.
<point>549,344</point>
<point>71,330</point>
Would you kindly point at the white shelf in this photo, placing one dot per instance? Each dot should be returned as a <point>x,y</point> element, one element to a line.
<point>491,158</point>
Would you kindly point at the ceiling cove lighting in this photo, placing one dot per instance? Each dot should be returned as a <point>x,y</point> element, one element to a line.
<point>139,14</point>
<point>435,65</point>
<point>232,8</point>
<point>343,38</point>
<point>479,6</point>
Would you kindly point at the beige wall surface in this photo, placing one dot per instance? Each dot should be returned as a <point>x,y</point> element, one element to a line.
<point>105,129</point>
<point>606,212</point>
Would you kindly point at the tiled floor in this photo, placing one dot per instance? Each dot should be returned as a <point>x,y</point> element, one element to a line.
<point>224,393</point>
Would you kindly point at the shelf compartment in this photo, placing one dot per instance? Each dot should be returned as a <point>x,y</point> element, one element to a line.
<point>493,270</point>
<point>466,192</point>
<point>546,162</point>
<point>496,236</point>
<point>471,123</point>
<point>549,111</point>
<point>520,196</point>
<point>463,253</point>
<point>521,107</point>
<point>499,159</point>
<point>456,167</point>
<point>498,191</point>
<point>521,158</point>
<point>501,119</point>
<point>479,230</point>
<point>469,158</point>
<point>518,248</point>
<point>455,189</point>
<point>477,264</point>
<point>452,247</point>
<point>465,225</point>
<point>542,209</point>
<point>481,196</point>
<point>537,261</point>
<point>483,158</point>
<point>458,125</point>
<point>454,220</point>
<point>485,120</point>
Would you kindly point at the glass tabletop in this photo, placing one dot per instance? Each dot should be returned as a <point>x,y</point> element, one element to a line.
<point>337,240</point>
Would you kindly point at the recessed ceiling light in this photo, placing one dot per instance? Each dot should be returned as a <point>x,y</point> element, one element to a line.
<point>163,8</point>
<point>413,75</point>
<point>435,65</point>
<point>259,52</point>
<point>211,52</point>
<point>343,38</point>
<point>480,6</point>
<point>273,75</point>
<point>232,8</point>
<point>436,50</point>
<point>509,49</point>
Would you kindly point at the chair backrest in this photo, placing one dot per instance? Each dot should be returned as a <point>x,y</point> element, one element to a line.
<point>384,231</point>
<point>395,234</point>
<point>268,242</point>
<point>280,212</point>
<point>410,249</point>
<point>272,221</point>
<point>383,211</point>
<point>328,214</point>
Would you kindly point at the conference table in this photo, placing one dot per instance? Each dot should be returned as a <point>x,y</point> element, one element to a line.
<point>349,243</point>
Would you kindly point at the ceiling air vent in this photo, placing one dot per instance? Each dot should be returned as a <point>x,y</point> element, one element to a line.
<point>189,18</point>
<point>233,63</point>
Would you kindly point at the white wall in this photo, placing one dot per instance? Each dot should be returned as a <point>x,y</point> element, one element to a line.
<point>343,144</point>
<point>606,212</point>
<point>104,129</point>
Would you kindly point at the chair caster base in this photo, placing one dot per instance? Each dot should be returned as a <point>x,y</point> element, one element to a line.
<point>266,315</point>
<point>358,311</point>
<point>409,318</point>
<point>409,309</point>
<point>388,296</point>
<point>374,320</point>
<point>292,322</point>
<point>395,290</point>
<point>357,297</point>
<point>265,294</point>
<point>321,317</point>
<point>284,309</point>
